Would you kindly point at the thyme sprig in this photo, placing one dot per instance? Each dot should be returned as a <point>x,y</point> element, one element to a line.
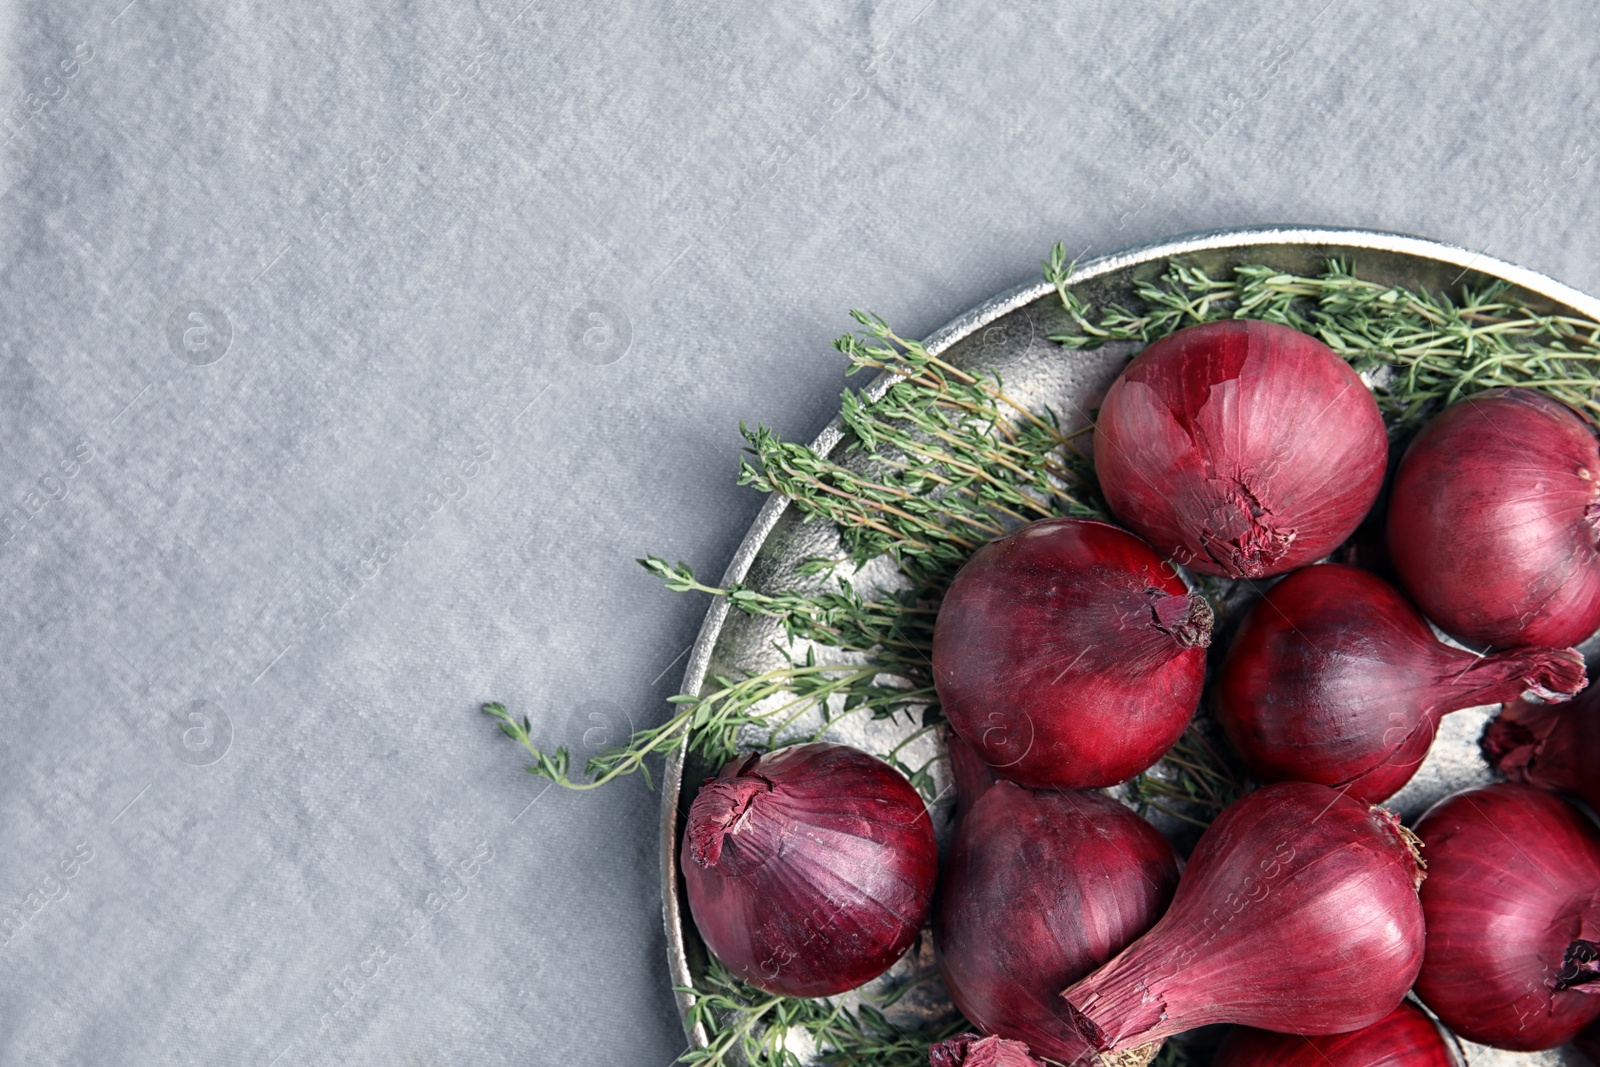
<point>896,627</point>
<point>1435,347</point>
<point>1192,783</point>
<point>954,461</point>
<point>747,1026</point>
<point>713,722</point>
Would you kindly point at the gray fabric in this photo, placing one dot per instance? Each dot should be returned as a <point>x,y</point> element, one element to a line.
<point>310,442</point>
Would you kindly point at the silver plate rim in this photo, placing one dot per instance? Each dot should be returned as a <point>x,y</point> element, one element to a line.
<point>672,906</point>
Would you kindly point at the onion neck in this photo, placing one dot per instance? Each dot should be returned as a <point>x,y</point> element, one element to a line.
<point>975,1050</point>
<point>1116,993</point>
<point>1551,746</point>
<point>1187,618</point>
<point>1405,839</point>
<point>1580,968</point>
<point>1241,535</point>
<point>1551,674</point>
<point>723,807</point>
<point>1513,738</point>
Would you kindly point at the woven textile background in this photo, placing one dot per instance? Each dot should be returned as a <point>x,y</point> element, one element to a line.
<point>352,352</point>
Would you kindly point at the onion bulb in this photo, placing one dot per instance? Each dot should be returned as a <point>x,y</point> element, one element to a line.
<point>1069,655</point>
<point>969,775</point>
<point>1556,748</point>
<point>975,1050</point>
<point>1040,888</point>
<point>1513,910</point>
<point>1493,520</point>
<point>1406,1037</point>
<point>1335,678</point>
<point>1298,913</point>
<point>1240,448</point>
<point>809,870</point>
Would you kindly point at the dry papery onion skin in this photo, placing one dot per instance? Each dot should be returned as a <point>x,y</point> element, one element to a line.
<point>1240,449</point>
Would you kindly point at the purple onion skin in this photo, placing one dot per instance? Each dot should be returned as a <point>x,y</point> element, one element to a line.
<point>970,775</point>
<point>1492,521</point>
<point>1240,448</point>
<point>1069,655</point>
<point>1406,1037</point>
<point>1297,913</point>
<point>1334,677</point>
<point>809,870</point>
<point>975,1050</point>
<point>1550,747</point>
<point>1513,904</point>
<point>1040,888</point>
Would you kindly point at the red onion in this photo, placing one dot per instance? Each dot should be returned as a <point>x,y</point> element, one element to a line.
<point>1513,910</point>
<point>809,870</point>
<point>1335,678</point>
<point>975,1050</point>
<point>1554,748</point>
<point>970,774</point>
<point>1240,448</point>
<point>1298,913</point>
<point>1040,888</point>
<point>1068,655</point>
<point>1493,520</point>
<point>1406,1037</point>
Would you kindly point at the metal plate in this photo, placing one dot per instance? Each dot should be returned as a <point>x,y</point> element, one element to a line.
<point>1010,334</point>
